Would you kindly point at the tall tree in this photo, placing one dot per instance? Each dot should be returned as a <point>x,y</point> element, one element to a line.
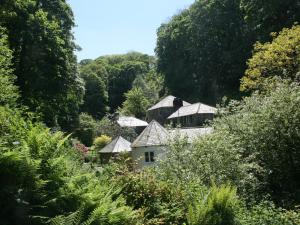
<point>95,98</point>
<point>202,51</point>
<point>264,17</point>
<point>8,91</point>
<point>40,35</point>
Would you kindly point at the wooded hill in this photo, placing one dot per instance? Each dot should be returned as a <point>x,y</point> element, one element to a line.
<point>246,172</point>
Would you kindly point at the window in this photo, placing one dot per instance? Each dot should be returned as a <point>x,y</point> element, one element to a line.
<point>146,156</point>
<point>149,156</point>
<point>152,156</point>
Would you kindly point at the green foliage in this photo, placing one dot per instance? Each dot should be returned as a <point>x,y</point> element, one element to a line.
<point>264,17</point>
<point>280,58</point>
<point>40,35</point>
<point>86,131</point>
<point>213,157</point>
<point>95,98</point>
<point>101,141</point>
<point>156,201</point>
<point>254,146</point>
<point>136,103</point>
<point>112,129</point>
<point>216,207</point>
<point>8,91</point>
<point>202,51</point>
<point>119,73</point>
<point>89,128</point>
<point>266,213</point>
<point>44,178</point>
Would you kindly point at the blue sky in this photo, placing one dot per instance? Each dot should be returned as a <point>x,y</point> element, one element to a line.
<point>107,27</point>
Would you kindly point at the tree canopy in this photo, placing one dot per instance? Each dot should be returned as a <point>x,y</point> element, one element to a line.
<point>279,58</point>
<point>8,91</point>
<point>39,33</point>
<point>119,73</point>
<point>202,51</point>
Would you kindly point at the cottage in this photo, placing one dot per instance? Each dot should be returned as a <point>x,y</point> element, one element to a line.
<point>163,109</point>
<point>192,115</point>
<point>150,145</point>
<point>115,147</point>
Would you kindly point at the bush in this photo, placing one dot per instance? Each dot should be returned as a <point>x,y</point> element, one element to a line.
<point>43,178</point>
<point>101,142</point>
<point>156,201</point>
<point>86,131</point>
<point>217,207</point>
<point>266,213</point>
<point>254,146</point>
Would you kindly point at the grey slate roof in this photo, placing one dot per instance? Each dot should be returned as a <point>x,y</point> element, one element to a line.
<point>153,135</point>
<point>129,121</point>
<point>196,108</point>
<point>166,102</point>
<point>190,133</point>
<point>119,144</point>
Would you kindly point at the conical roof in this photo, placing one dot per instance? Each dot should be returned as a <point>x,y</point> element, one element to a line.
<point>167,102</point>
<point>153,135</point>
<point>119,144</point>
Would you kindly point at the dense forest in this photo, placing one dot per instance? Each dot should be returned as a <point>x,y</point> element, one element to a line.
<point>56,113</point>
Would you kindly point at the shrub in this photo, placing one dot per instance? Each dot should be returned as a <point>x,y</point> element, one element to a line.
<point>44,178</point>
<point>156,201</point>
<point>86,131</point>
<point>254,146</point>
<point>266,213</point>
<point>101,141</point>
<point>217,207</point>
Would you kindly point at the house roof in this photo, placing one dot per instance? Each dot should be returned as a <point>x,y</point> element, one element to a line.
<point>190,133</point>
<point>128,121</point>
<point>119,144</point>
<point>196,108</point>
<point>153,135</point>
<point>166,102</point>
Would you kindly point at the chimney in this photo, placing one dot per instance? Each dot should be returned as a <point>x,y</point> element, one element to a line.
<point>177,103</point>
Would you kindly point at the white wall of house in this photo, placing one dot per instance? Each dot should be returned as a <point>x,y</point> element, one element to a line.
<point>139,156</point>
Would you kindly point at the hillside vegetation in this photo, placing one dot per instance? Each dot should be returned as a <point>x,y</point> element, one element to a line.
<point>55,114</point>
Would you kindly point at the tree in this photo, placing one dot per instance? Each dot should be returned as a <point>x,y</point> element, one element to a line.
<point>86,130</point>
<point>264,17</point>
<point>40,35</point>
<point>136,104</point>
<point>202,51</point>
<point>8,91</point>
<point>95,97</point>
<point>118,73</point>
<point>279,58</point>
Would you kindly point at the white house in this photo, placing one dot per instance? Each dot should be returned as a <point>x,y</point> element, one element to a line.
<point>150,145</point>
